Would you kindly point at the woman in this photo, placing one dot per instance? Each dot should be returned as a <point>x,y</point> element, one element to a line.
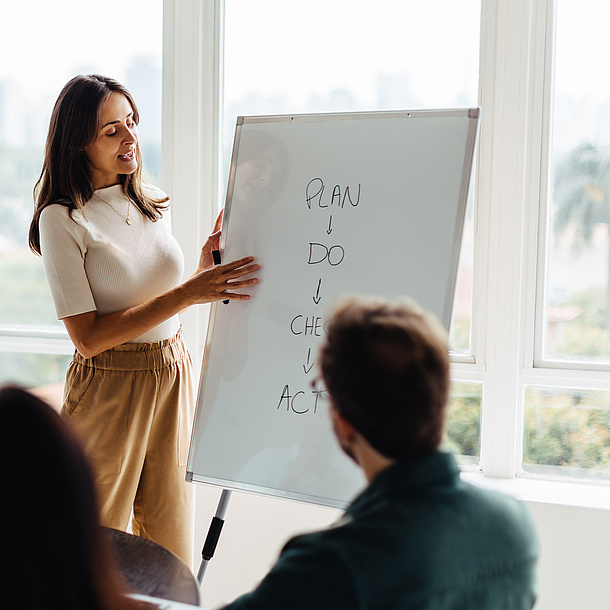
<point>114,271</point>
<point>54,555</point>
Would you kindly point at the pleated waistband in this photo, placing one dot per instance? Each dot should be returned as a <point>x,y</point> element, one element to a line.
<point>138,356</point>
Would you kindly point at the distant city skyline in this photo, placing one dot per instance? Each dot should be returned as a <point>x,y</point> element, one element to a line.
<point>24,115</point>
<point>43,44</point>
<point>337,70</point>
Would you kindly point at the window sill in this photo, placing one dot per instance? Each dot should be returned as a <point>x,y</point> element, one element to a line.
<point>565,493</point>
<point>35,339</point>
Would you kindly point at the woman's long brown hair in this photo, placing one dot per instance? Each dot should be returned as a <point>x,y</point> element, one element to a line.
<point>66,177</point>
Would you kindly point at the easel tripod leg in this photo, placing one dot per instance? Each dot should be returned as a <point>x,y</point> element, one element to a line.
<point>211,540</point>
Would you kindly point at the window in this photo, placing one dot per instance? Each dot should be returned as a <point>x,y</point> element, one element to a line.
<point>71,38</point>
<point>567,432</point>
<point>577,289</point>
<point>341,56</point>
<point>533,304</point>
<point>530,348</point>
<point>567,423</point>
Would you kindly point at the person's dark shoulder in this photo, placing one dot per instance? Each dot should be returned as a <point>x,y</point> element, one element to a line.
<point>501,517</point>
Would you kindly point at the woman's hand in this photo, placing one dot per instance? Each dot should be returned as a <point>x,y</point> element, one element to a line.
<point>219,282</point>
<point>206,261</point>
<point>92,334</point>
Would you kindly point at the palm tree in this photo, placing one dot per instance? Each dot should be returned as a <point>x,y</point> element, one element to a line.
<point>582,197</point>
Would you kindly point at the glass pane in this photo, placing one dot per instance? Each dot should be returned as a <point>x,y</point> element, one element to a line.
<point>71,38</point>
<point>341,56</point>
<point>462,305</point>
<point>463,429</point>
<point>577,305</point>
<point>567,432</point>
<point>25,298</point>
<point>43,373</point>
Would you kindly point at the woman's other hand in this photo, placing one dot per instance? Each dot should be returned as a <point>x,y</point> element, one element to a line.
<point>206,260</point>
<point>219,282</point>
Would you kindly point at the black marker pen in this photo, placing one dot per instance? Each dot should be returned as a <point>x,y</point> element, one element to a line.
<point>216,259</point>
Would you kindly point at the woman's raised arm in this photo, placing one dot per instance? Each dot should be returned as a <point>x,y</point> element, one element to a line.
<point>92,334</point>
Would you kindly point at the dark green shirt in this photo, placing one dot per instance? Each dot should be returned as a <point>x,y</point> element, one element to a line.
<point>416,538</point>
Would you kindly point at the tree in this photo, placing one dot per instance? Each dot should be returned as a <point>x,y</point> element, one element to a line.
<point>582,196</point>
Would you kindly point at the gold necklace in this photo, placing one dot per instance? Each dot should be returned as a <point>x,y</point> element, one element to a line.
<point>127,219</point>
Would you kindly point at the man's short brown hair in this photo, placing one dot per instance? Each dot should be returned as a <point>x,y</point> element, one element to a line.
<point>385,364</point>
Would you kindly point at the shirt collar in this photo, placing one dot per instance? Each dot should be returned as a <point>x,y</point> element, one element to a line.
<point>405,477</point>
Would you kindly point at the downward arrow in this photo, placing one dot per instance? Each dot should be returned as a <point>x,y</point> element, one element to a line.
<point>308,367</point>
<point>317,298</point>
<point>330,228</point>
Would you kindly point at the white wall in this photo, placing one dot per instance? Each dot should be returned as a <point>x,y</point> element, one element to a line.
<point>573,570</point>
<point>575,557</point>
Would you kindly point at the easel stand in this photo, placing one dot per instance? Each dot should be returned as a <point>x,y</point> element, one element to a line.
<point>211,539</point>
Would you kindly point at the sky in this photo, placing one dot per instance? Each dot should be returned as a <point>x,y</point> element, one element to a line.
<point>275,46</point>
<point>344,43</point>
<point>339,42</point>
<point>38,36</point>
<point>583,49</point>
<point>48,41</point>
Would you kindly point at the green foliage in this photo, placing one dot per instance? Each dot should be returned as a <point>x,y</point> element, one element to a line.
<point>567,429</point>
<point>33,370</point>
<point>25,297</point>
<point>582,191</point>
<point>584,343</point>
<point>463,427</point>
<point>586,336</point>
<point>592,303</point>
<point>582,197</point>
<point>460,335</point>
<point>19,170</point>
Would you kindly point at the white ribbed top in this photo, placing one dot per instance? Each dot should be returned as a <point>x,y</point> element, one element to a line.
<point>97,262</point>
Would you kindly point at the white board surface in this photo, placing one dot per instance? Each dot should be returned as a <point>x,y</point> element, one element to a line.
<point>367,203</point>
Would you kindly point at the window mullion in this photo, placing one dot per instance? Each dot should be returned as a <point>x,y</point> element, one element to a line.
<point>509,31</point>
<point>192,50</point>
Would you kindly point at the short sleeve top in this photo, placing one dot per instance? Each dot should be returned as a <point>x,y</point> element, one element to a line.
<point>96,261</point>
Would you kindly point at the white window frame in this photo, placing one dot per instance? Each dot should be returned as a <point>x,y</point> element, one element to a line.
<point>192,31</point>
<point>192,88</point>
<point>512,180</point>
<point>565,372</point>
<point>514,76</point>
<point>515,85</point>
<point>511,97</point>
<point>34,340</point>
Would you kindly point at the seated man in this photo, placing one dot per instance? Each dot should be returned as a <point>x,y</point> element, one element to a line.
<point>417,536</point>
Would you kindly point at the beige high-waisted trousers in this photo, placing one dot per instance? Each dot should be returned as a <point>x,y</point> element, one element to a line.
<point>132,406</point>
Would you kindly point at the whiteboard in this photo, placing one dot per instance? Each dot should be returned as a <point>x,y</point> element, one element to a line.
<point>329,204</point>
